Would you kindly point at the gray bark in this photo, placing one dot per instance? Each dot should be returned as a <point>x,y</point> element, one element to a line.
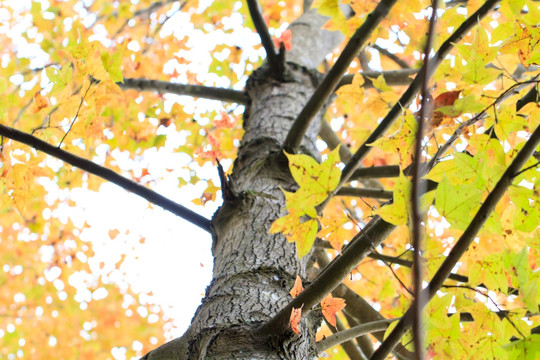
<point>253,269</point>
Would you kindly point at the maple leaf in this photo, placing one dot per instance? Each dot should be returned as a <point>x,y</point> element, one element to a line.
<point>297,288</point>
<point>40,102</point>
<point>330,306</point>
<point>296,315</point>
<point>445,99</point>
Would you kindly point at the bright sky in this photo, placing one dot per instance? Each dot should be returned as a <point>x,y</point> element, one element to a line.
<point>165,255</point>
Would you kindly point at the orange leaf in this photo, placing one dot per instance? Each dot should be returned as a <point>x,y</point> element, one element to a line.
<point>296,314</point>
<point>330,306</point>
<point>297,288</point>
<point>207,196</point>
<point>40,102</point>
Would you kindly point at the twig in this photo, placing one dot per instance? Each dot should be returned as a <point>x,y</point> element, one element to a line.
<point>417,188</point>
<point>402,63</point>
<point>463,243</point>
<point>392,77</point>
<point>76,113</point>
<point>350,348</point>
<point>326,88</point>
<point>107,174</point>
<point>346,335</point>
<point>266,39</point>
<point>207,92</point>
<point>410,93</point>
<point>363,192</point>
<point>333,274</point>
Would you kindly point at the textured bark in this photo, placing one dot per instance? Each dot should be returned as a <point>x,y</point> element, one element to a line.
<point>253,269</point>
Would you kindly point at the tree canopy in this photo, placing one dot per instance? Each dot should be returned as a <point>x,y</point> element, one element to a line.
<point>407,184</point>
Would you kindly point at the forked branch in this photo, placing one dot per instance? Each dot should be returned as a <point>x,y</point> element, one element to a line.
<point>108,175</point>
<point>330,82</point>
<point>413,89</point>
<point>463,243</point>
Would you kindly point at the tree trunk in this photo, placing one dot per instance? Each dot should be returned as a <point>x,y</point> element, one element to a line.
<point>253,269</point>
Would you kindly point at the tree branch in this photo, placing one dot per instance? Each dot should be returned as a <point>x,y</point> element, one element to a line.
<point>411,91</point>
<point>463,243</point>
<point>357,307</point>
<point>353,352</point>
<point>266,39</point>
<point>418,187</point>
<point>326,88</point>
<point>332,275</point>
<point>109,175</point>
<point>364,192</point>
<point>207,92</point>
<point>346,335</point>
<point>402,63</point>
<point>392,77</point>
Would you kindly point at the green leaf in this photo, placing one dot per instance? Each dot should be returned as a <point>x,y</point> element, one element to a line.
<point>396,213</point>
<point>60,78</point>
<point>113,65</point>
<point>456,203</point>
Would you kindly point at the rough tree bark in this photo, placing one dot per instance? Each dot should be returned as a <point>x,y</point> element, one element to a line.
<point>253,269</point>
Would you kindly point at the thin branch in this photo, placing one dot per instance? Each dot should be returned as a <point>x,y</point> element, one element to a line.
<point>346,335</point>
<point>402,63</point>
<point>392,77</point>
<point>363,341</point>
<point>207,92</point>
<point>76,114</point>
<point>328,85</point>
<point>109,175</point>
<point>266,39</point>
<point>385,171</point>
<point>359,308</point>
<point>464,241</point>
<point>455,135</point>
<point>353,352</point>
<point>333,274</point>
<point>363,192</point>
<point>410,93</point>
<point>408,263</point>
<point>418,187</point>
<point>333,141</point>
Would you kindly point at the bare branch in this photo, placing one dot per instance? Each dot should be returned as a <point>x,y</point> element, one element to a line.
<point>463,243</point>
<point>363,192</point>
<point>417,188</point>
<point>353,352</point>
<point>207,92</point>
<point>332,275</point>
<point>326,88</point>
<point>392,77</point>
<point>266,39</point>
<point>402,63</point>
<point>109,175</point>
<point>346,335</point>
<point>410,93</point>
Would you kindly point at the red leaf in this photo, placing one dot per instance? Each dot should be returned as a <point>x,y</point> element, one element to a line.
<point>446,99</point>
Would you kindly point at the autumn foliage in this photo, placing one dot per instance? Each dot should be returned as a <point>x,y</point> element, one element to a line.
<point>79,76</point>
